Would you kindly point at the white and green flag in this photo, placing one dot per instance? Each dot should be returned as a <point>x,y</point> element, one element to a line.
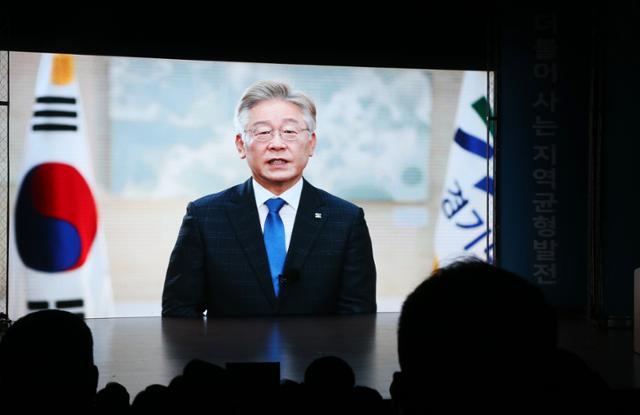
<point>464,225</point>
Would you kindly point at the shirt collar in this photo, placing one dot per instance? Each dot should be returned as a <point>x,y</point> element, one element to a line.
<point>291,196</point>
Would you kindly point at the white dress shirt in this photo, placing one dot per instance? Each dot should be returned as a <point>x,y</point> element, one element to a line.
<point>288,211</point>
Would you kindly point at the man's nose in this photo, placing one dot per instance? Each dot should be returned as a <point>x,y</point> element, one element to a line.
<point>277,141</point>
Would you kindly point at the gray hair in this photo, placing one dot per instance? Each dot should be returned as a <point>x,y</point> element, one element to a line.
<point>268,90</point>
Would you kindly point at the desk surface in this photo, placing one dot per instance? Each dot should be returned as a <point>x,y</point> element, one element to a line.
<point>140,351</point>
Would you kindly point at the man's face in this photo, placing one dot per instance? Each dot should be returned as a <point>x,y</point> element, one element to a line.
<point>276,164</point>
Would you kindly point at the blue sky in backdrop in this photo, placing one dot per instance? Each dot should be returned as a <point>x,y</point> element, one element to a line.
<point>173,135</point>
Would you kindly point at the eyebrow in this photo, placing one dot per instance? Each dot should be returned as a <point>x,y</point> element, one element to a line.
<point>267,123</point>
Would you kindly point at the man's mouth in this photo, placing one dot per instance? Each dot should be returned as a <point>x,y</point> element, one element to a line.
<point>278,162</point>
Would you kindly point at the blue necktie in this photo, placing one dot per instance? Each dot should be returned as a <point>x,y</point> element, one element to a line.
<point>274,240</point>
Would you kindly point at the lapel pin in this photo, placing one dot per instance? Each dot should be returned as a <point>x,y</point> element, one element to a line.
<point>318,215</point>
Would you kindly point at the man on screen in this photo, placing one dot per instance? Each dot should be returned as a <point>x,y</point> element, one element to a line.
<point>273,244</point>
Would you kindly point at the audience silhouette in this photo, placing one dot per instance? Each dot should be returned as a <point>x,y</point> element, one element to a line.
<point>328,384</point>
<point>113,399</point>
<point>477,337</point>
<point>154,399</point>
<point>201,385</point>
<point>292,397</point>
<point>471,337</point>
<point>46,364</point>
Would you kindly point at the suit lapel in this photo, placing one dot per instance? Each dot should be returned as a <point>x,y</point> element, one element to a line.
<point>310,218</point>
<point>243,215</point>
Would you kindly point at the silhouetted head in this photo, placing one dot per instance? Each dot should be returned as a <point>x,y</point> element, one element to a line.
<point>330,373</point>
<point>48,354</point>
<point>328,386</point>
<point>201,385</point>
<point>112,399</point>
<point>472,326</point>
<point>365,400</point>
<point>154,399</point>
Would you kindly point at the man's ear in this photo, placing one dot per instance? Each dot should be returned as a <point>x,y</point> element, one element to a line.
<point>312,144</point>
<point>240,146</point>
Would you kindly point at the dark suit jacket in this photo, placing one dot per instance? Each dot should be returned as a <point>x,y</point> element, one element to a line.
<point>219,262</point>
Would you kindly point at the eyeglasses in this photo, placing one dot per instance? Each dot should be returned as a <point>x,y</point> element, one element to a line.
<point>265,134</point>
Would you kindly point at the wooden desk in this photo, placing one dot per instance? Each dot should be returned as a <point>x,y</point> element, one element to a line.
<point>138,352</point>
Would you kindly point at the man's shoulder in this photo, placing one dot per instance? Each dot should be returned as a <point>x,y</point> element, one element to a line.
<point>221,198</point>
<point>334,202</point>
